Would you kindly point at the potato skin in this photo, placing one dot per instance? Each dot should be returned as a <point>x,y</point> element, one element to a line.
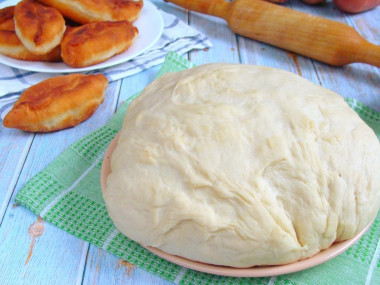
<point>350,6</point>
<point>313,2</point>
<point>356,6</point>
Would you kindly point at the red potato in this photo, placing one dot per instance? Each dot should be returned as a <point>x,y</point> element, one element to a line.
<point>350,6</point>
<point>356,6</point>
<point>313,2</point>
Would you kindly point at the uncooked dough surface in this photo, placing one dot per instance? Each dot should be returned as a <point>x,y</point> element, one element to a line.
<point>242,165</point>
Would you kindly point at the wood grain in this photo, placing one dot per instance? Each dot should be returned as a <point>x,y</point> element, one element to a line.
<point>39,259</point>
<point>359,81</point>
<point>14,150</point>
<point>328,41</point>
<point>35,252</point>
<point>225,48</point>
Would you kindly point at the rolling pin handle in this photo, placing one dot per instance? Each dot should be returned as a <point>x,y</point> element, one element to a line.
<point>369,53</point>
<point>218,8</point>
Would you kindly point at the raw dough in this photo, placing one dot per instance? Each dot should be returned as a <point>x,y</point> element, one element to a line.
<point>242,165</point>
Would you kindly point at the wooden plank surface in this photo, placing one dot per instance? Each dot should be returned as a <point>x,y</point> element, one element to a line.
<point>35,252</point>
<point>28,243</point>
<point>359,81</point>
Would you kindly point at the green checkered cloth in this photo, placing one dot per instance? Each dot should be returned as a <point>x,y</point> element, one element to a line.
<point>67,194</point>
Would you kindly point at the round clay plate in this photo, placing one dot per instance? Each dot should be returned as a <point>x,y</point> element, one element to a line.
<point>258,271</point>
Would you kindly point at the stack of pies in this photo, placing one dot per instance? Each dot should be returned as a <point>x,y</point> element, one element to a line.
<point>38,31</point>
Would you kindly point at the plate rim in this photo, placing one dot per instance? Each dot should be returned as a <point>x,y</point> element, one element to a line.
<point>257,271</point>
<point>24,64</point>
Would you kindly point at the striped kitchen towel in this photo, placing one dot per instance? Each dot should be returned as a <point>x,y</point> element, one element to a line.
<point>177,37</point>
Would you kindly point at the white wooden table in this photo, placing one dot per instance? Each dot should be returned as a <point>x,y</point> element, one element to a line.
<point>35,252</point>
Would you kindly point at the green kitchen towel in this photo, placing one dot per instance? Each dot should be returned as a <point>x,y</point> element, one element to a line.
<point>67,194</point>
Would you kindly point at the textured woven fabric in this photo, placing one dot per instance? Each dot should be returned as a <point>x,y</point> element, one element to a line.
<point>67,194</point>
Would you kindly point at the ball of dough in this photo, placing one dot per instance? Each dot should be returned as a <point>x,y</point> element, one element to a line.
<point>242,165</point>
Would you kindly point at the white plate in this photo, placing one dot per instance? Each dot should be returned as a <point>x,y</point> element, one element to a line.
<point>149,23</point>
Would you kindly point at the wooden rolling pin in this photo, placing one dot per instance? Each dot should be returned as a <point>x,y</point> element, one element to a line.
<point>316,37</point>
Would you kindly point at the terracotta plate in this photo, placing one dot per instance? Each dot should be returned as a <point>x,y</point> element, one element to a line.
<point>258,271</point>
